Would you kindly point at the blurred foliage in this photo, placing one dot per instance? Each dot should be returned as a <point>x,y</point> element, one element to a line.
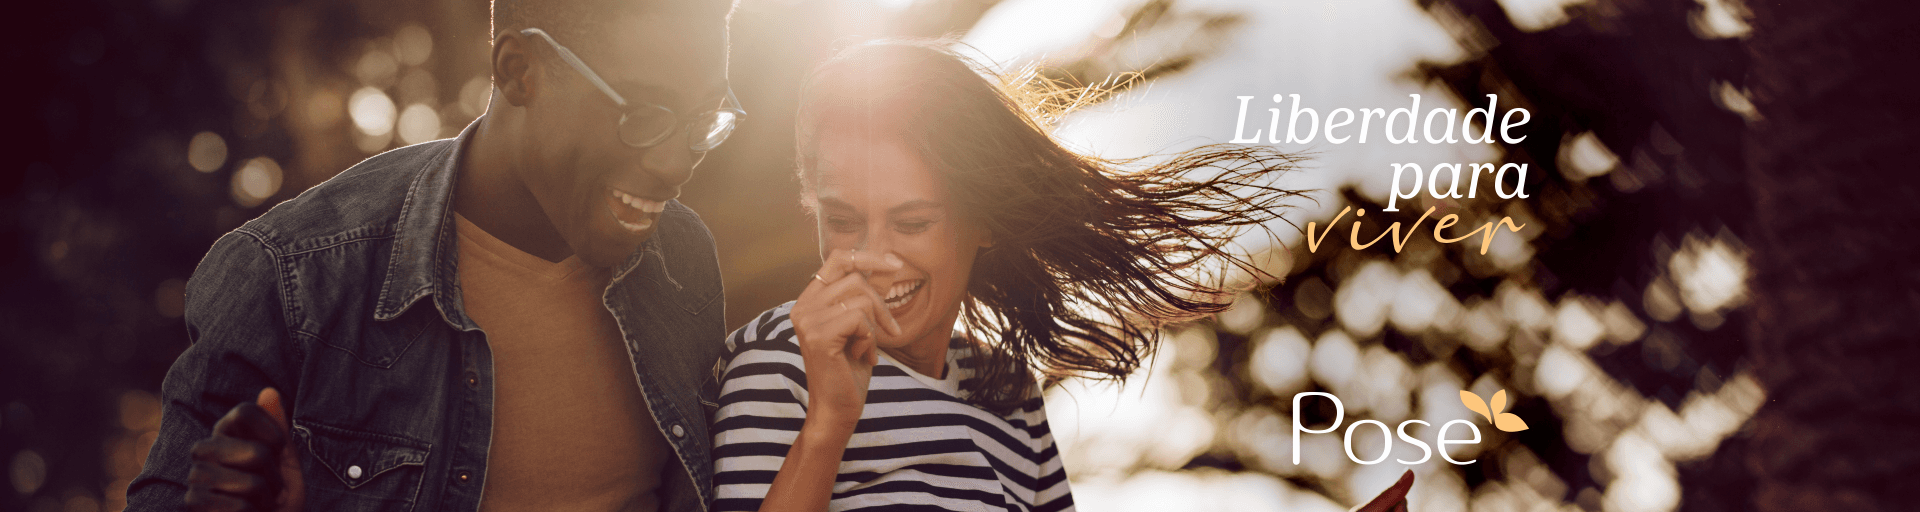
<point>1613,320</point>
<point>1154,40</point>
<point>151,128</point>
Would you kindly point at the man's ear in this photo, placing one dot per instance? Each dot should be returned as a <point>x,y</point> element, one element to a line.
<point>513,68</point>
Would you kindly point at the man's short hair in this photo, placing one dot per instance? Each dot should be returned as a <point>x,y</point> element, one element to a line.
<point>571,20</point>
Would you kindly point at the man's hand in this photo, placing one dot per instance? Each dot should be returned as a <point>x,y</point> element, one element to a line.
<point>249,463</point>
<point>1394,499</point>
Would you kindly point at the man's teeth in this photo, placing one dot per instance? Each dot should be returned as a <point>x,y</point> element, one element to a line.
<point>633,226</point>
<point>645,205</point>
<point>898,295</point>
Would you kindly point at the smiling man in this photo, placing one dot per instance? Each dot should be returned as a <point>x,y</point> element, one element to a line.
<point>518,318</point>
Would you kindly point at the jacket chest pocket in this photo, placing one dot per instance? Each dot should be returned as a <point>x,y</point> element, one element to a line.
<point>353,470</point>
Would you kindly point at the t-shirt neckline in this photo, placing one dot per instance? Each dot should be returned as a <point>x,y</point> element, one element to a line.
<point>534,265</point>
<point>950,385</point>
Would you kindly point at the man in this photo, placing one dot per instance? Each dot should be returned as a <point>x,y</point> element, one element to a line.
<point>517,318</point>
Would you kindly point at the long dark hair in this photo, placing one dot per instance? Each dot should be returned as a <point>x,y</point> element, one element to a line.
<point>1091,256</point>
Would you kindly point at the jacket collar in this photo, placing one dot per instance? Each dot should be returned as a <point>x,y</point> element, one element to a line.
<point>422,260</point>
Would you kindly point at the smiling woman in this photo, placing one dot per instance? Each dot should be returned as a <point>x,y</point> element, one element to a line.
<point>1061,233</point>
<point>941,199</point>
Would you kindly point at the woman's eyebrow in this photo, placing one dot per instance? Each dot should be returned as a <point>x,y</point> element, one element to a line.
<point>834,202</point>
<point>917,204</point>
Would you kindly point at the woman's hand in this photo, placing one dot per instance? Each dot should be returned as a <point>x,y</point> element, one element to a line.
<point>836,321</point>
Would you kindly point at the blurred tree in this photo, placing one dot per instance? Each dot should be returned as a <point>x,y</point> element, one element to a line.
<point>1632,266</point>
<point>1645,80</point>
<point>1808,172</point>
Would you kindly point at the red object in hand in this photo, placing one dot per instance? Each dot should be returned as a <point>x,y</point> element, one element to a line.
<point>270,401</point>
<point>293,496</point>
<point>1394,499</point>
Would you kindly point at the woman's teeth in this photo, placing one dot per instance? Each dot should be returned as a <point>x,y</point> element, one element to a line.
<point>902,292</point>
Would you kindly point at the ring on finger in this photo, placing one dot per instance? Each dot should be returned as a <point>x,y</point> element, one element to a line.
<point>817,277</point>
<point>843,306</point>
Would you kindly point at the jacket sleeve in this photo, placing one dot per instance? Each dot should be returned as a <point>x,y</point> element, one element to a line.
<point>239,343</point>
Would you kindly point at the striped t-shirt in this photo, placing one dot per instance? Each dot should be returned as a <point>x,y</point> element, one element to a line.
<point>918,445</point>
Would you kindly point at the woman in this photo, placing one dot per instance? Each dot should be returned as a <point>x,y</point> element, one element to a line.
<point>940,198</point>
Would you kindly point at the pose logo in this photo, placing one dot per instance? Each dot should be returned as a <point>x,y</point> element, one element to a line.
<point>1505,421</point>
<point>1495,414</point>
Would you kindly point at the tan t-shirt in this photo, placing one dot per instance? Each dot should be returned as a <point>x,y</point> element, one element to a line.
<point>570,428</point>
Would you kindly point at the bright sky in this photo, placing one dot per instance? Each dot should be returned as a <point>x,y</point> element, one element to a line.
<point>1352,54</point>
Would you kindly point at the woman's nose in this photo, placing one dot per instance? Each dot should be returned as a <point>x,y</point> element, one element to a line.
<point>873,240</point>
<point>879,245</point>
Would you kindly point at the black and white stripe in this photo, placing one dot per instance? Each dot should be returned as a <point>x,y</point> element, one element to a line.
<point>918,445</point>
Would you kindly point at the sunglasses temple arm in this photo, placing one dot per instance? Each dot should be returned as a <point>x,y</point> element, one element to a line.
<point>567,55</point>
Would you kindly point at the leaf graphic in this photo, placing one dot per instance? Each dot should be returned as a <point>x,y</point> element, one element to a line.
<point>1506,421</point>
<point>1499,404</point>
<point>1473,403</point>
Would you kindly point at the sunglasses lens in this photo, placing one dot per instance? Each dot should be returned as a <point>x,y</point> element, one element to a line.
<point>646,127</point>
<point>713,129</point>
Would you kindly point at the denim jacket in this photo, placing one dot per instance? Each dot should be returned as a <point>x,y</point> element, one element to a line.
<point>346,299</point>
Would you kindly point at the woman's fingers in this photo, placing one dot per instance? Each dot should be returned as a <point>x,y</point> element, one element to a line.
<point>841,313</point>
<point>875,306</point>
<point>850,292</point>
<point>838,264</point>
<point>836,325</point>
<point>843,262</point>
<point>866,351</point>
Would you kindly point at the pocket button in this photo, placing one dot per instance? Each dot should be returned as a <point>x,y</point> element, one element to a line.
<point>679,432</point>
<point>353,472</point>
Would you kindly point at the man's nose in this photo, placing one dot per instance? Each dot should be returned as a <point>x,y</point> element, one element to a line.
<point>670,161</point>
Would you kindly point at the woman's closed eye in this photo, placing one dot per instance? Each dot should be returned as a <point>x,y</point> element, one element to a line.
<point>843,224</point>
<point>913,226</point>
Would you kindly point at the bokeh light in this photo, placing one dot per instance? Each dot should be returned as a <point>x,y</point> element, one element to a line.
<point>28,472</point>
<point>372,111</point>
<point>256,181</point>
<point>419,123</point>
<point>414,44</point>
<point>474,95</point>
<point>377,67</point>
<point>207,151</point>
